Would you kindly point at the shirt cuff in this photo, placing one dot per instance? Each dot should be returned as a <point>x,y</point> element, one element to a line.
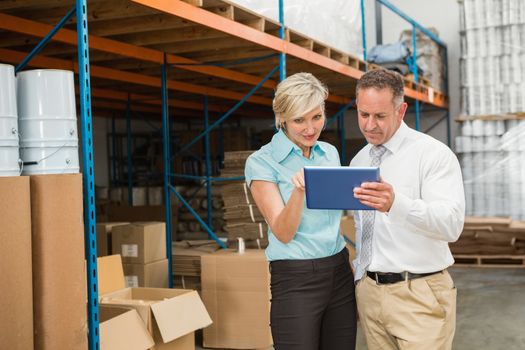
<point>400,208</point>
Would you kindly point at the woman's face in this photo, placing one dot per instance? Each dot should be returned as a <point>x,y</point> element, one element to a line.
<point>304,131</point>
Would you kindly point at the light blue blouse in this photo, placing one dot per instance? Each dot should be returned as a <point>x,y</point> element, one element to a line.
<point>318,233</point>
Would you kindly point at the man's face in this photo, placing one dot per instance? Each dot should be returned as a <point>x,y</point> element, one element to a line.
<point>378,116</point>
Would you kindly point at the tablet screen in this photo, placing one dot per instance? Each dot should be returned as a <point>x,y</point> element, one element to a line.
<point>333,187</point>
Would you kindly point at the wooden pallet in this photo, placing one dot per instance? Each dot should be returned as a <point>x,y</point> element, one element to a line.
<point>503,261</point>
<point>507,116</point>
<point>421,78</point>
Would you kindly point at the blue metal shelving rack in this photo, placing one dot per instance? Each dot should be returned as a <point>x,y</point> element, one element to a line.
<point>80,9</point>
<point>88,175</point>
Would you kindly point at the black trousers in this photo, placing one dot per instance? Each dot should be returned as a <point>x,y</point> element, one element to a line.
<point>313,304</point>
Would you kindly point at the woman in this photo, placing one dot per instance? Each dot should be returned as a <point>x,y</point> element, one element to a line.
<point>313,301</point>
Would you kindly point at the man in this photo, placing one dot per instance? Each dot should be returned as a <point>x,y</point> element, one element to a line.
<point>406,298</point>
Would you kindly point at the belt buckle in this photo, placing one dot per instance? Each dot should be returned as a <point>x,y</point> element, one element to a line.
<point>405,275</point>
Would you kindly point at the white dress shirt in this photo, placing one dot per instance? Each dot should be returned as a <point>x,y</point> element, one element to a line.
<point>428,209</point>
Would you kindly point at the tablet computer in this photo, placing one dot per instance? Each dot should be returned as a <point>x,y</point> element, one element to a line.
<point>333,187</point>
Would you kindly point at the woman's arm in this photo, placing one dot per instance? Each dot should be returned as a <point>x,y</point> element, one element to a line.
<point>283,219</point>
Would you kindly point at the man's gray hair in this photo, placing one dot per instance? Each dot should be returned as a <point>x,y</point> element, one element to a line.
<point>382,79</point>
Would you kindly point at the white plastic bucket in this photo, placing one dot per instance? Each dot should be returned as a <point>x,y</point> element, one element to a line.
<point>8,111</point>
<point>46,93</point>
<point>49,132</point>
<point>47,121</point>
<point>7,91</point>
<point>49,160</point>
<point>8,131</point>
<point>9,165</point>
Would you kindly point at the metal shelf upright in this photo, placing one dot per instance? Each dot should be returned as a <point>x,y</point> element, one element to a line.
<point>88,173</point>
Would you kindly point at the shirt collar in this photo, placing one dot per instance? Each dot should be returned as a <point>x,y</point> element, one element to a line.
<point>395,141</point>
<point>282,146</point>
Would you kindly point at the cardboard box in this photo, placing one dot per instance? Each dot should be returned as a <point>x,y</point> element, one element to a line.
<point>140,242</point>
<point>104,243</point>
<point>154,274</point>
<point>59,276</point>
<point>122,329</point>
<point>236,292</point>
<point>170,315</point>
<point>348,230</point>
<point>110,268</point>
<point>16,297</point>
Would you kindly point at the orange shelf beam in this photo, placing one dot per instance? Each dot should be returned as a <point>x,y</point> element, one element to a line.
<point>40,61</point>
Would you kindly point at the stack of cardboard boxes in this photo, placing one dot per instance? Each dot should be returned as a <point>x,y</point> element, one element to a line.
<point>490,241</point>
<point>42,265</point>
<point>243,218</point>
<point>142,246</point>
<point>186,262</point>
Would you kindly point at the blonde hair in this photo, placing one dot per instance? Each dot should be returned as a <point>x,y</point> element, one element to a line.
<point>297,95</point>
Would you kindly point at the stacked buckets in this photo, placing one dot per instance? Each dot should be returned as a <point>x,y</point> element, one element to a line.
<point>9,164</point>
<point>47,122</point>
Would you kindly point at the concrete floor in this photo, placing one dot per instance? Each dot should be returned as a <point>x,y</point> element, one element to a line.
<point>490,312</point>
<point>491,309</point>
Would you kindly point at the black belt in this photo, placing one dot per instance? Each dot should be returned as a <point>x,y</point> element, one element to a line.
<point>391,277</point>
